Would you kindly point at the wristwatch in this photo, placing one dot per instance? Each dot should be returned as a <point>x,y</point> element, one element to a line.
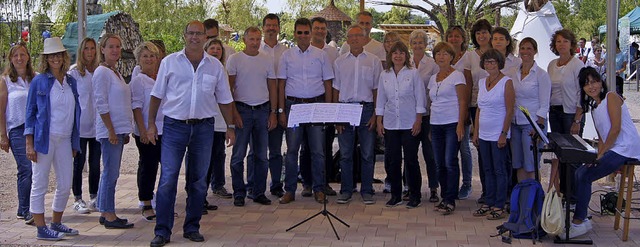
<point>273,111</point>
<point>280,110</point>
<point>231,126</point>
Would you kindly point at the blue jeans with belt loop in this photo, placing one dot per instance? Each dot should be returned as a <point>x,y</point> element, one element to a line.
<point>17,143</point>
<point>347,142</point>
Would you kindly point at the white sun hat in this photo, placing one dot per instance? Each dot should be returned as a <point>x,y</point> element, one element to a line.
<point>53,45</point>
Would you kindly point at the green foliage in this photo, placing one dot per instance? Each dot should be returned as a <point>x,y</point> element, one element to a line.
<point>398,15</point>
<point>240,14</point>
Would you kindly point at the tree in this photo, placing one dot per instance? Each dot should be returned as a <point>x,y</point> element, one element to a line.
<point>241,14</point>
<point>398,15</point>
<point>460,12</point>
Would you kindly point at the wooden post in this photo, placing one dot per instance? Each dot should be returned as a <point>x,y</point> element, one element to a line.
<point>361,5</point>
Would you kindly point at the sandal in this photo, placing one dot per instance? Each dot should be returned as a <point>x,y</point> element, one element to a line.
<point>482,211</point>
<point>439,206</point>
<point>434,196</point>
<point>447,209</point>
<point>496,214</point>
<point>148,218</point>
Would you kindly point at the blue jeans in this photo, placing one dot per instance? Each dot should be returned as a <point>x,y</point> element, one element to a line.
<point>396,144</point>
<point>465,156</point>
<point>276,163</point>
<point>472,113</point>
<point>254,129</point>
<point>585,175</point>
<point>427,153</point>
<point>347,142</point>
<point>111,158</point>
<point>561,122</point>
<point>177,138</point>
<point>17,143</point>
<point>316,146</point>
<point>521,153</point>
<point>445,152</point>
<point>94,167</point>
<point>495,172</point>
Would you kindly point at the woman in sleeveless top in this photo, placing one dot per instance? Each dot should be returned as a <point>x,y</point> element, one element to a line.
<point>618,142</point>
<point>496,99</point>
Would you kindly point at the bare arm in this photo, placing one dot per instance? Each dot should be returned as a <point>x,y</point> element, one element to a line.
<point>152,131</point>
<point>272,84</point>
<point>509,101</point>
<point>4,138</point>
<point>225,109</point>
<point>614,107</point>
<point>461,92</point>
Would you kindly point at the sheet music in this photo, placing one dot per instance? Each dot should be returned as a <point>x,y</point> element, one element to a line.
<point>540,132</point>
<point>324,113</point>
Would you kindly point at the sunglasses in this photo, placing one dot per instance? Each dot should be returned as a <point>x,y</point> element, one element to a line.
<point>302,32</point>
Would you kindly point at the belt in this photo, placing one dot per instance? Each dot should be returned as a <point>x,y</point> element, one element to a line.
<point>253,107</point>
<point>319,98</point>
<point>361,102</point>
<point>193,120</point>
<point>556,107</point>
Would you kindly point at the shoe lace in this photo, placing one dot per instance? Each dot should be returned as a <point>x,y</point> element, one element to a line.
<point>50,232</point>
<point>62,228</point>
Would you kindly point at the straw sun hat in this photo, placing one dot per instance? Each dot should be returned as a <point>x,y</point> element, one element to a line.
<point>53,45</point>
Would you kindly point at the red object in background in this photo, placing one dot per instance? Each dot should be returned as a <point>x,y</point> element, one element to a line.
<point>25,36</point>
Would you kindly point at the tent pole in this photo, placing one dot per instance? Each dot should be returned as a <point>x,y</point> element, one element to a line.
<point>612,36</point>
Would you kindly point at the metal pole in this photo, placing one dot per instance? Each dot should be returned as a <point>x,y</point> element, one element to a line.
<point>612,36</point>
<point>82,20</point>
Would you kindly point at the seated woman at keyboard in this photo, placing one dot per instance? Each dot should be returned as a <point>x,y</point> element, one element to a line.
<point>618,141</point>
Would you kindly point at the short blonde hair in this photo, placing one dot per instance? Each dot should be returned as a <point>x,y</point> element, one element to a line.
<point>147,45</point>
<point>419,34</point>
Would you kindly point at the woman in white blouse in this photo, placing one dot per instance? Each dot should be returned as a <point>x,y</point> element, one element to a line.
<point>399,106</point>
<point>148,57</point>
<point>448,93</point>
<point>112,98</point>
<point>597,61</point>
<point>533,89</point>
<point>86,63</point>
<point>426,67</point>
<point>502,41</point>
<point>496,99</point>
<point>13,97</point>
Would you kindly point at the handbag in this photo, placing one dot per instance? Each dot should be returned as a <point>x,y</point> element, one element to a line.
<point>553,215</point>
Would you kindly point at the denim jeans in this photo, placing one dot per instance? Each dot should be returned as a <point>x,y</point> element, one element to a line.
<point>111,158</point>
<point>445,152</point>
<point>94,167</point>
<point>17,143</point>
<point>316,146</point>
<point>254,129</point>
<point>427,153</point>
<point>585,175</point>
<point>521,153</point>
<point>472,113</point>
<point>305,157</point>
<point>177,138</point>
<point>276,163</point>
<point>396,144</point>
<point>215,173</point>
<point>149,159</point>
<point>496,174</point>
<point>347,142</point>
<point>466,166</point>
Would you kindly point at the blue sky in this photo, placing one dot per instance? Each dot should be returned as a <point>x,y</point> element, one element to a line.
<point>278,5</point>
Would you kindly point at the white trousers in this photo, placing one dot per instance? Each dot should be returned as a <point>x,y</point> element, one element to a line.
<point>60,156</point>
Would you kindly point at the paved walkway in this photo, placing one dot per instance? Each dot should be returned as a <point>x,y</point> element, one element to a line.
<point>257,225</point>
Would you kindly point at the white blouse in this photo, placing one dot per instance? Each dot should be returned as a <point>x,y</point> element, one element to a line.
<point>111,95</point>
<point>472,63</point>
<point>426,69</point>
<point>141,87</point>
<point>627,143</point>
<point>532,92</point>
<point>445,108</point>
<point>62,109</point>
<point>565,89</point>
<point>16,102</point>
<point>85,98</point>
<point>400,98</point>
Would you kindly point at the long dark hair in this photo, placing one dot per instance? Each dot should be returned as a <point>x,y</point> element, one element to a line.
<point>585,100</point>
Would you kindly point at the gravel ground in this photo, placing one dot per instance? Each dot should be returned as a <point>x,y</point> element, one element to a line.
<point>8,193</point>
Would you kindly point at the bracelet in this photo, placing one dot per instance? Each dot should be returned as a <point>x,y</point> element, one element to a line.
<point>231,126</point>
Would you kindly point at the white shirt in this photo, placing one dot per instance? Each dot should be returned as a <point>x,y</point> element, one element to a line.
<point>85,98</point>
<point>136,71</point>
<point>627,143</point>
<point>251,74</point>
<point>304,72</point>
<point>426,69</point>
<point>445,107</point>
<point>565,89</point>
<point>16,102</point>
<point>493,110</point>
<point>472,63</point>
<point>357,77</point>
<point>601,69</point>
<point>274,52</point>
<point>62,109</point>
<point>400,98</point>
<point>332,53</point>
<point>228,51</point>
<point>141,87</point>
<point>533,92</point>
<point>189,94</point>
<point>459,66</point>
<point>112,95</point>
<point>373,46</point>
<point>511,66</point>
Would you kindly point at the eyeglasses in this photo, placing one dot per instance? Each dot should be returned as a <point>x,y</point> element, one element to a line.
<point>490,61</point>
<point>56,55</point>
<point>302,32</point>
<point>192,33</point>
<point>212,37</point>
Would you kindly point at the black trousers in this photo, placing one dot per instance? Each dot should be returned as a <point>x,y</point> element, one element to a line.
<point>147,167</point>
<point>94,166</point>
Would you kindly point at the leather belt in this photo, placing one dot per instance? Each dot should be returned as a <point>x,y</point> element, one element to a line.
<point>319,98</point>
<point>193,120</point>
<point>253,107</point>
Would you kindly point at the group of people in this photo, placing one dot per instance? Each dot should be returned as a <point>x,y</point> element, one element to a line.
<point>189,104</point>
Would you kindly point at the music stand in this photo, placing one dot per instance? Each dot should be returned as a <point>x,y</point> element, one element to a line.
<point>567,216</point>
<point>323,114</point>
<point>539,134</point>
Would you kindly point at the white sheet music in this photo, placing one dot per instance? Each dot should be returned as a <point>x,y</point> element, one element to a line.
<point>324,113</point>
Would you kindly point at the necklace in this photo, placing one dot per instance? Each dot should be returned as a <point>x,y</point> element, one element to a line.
<point>443,75</point>
<point>563,63</point>
<point>492,81</point>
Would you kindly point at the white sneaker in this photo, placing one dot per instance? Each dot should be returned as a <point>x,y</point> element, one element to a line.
<point>80,207</point>
<point>576,230</point>
<point>93,205</point>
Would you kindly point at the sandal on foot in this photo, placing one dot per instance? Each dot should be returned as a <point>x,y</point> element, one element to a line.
<point>482,211</point>
<point>148,218</point>
<point>439,206</point>
<point>447,209</point>
<point>496,214</point>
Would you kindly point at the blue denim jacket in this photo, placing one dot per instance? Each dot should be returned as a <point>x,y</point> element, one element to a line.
<point>39,112</point>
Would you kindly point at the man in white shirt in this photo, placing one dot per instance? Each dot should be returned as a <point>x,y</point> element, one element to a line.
<point>253,84</point>
<point>273,49</point>
<point>365,19</point>
<point>356,81</point>
<point>306,75</point>
<point>189,83</point>
<point>212,31</point>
